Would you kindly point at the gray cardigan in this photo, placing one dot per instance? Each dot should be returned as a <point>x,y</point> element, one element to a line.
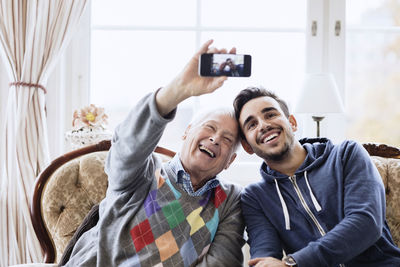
<point>146,218</point>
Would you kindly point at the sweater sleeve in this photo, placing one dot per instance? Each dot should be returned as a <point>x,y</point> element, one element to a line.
<point>129,159</point>
<point>364,213</point>
<point>226,248</point>
<point>263,238</point>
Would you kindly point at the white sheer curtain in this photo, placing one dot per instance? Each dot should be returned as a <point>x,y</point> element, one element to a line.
<point>32,35</point>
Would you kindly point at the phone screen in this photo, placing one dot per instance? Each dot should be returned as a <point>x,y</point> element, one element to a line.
<point>231,65</point>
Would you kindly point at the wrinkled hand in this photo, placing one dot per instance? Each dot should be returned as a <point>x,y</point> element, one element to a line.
<point>266,262</point>
<point>191,83</point>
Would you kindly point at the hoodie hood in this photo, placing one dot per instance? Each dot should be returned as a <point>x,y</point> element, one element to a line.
<point>318,150</point>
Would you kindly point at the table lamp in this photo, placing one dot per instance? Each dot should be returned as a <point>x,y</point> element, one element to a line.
<point>319,95</point>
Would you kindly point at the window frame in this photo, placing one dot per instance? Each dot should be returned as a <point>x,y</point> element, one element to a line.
<point>71,79</point>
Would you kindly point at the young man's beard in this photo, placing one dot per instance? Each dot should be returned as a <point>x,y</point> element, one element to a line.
<point>277,156</point>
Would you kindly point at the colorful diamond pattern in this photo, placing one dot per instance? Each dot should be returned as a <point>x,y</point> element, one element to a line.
<point>212,224</point>
<point>219,196</point>
<point>204,251</point>
<point>160,179</point>
<point>166,245</point>
<point>174,213</point>
<point>177,194</point>
<point>203,202</point>
<point>150,204</point>
<point>188,252</point>
<point>142,235</point>
<point>195,221</point>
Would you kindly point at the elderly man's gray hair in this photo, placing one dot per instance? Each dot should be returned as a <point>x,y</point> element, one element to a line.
<point>203,114</point>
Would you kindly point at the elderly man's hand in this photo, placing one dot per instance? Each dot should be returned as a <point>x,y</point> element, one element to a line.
<point>189,83</point>
<point>266,262</point>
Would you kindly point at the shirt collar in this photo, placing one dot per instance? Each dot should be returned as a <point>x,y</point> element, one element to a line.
<point>183,178</point>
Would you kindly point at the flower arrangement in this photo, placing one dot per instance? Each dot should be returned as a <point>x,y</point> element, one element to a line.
<point>89,126</point>
<point>89,117</point>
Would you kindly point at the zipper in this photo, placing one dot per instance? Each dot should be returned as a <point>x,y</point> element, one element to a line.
<point>307,209</point>
<point>305,206</point>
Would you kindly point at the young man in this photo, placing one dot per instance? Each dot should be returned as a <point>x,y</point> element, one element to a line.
<point>323,204</point>
<point>178,213</point>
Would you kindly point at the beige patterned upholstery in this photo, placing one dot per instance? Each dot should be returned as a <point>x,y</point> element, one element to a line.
<point>66,191</point>
<point>389,169</point>
<point>69,195</point>
<point>79,182</point>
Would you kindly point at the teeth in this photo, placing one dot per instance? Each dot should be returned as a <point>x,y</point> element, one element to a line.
<point>270,137</point>
<point>203,148</point>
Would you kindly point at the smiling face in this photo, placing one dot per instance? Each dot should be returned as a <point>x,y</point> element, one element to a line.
<point>209,145</point>
<point>269,133</point>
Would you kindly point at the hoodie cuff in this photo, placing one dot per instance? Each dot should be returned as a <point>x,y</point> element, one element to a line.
<point>307,257</point>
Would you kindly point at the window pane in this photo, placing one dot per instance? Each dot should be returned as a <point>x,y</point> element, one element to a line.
<point>144,13</point>
<point>127,65</point>
<point>373,13</point>
<point>373,72</point>
<point>373,87</point>
<point>254,13</point>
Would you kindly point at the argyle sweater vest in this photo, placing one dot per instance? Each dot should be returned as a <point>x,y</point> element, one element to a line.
<point>172,228</point>
<point>146,219</point>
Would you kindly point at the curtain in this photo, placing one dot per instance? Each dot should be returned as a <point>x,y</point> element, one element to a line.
<point>32,36</point>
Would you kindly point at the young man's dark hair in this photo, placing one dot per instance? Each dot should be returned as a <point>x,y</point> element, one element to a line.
<point>253,92</point>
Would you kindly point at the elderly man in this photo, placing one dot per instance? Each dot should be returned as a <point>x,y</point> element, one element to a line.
<point>178,213</point>
<point>323,204</point>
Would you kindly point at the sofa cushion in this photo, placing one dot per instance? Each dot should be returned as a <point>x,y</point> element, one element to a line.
<point>70,194</point>
<point>88,222</point>
<point>381,165</point>
<point>389,170</point>
<point>393,199</point>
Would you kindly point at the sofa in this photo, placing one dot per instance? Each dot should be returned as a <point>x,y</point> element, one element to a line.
<point>71,185</point>
<point>66,191</point>
<point>387,161</point>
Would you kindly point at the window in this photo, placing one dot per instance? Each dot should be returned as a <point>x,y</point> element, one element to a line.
<point>373,71</point>
<point>137,48</point>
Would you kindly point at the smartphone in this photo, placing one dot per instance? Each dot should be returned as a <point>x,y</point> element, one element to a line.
<point>231,65</point>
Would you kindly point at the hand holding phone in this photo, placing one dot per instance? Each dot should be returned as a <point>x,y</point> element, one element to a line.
<point>231,65</point>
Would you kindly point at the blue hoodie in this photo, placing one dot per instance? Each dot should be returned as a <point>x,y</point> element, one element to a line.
<point>330,213</point>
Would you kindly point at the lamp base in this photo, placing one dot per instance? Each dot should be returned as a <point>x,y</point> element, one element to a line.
<point>317,119</point>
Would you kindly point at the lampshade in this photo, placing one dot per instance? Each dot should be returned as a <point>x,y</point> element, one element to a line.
<point>319,95</point>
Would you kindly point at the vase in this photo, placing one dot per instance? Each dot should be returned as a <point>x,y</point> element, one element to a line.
<point>86,136</point>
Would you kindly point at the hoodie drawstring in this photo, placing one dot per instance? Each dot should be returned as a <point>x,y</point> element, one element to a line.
<point>314,200</point>
<point>283,203</point>
<point>284,207</point>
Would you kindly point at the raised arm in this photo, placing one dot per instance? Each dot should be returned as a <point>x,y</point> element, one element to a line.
<point>136,137</point>
<point>188,83</point>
